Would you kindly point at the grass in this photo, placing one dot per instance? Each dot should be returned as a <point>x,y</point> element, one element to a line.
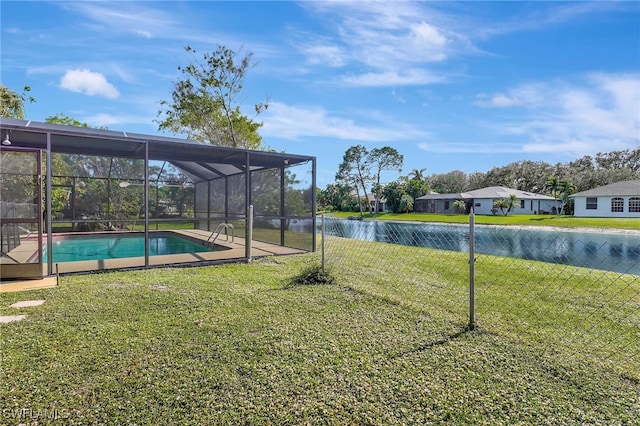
<point>531,220</point>
<point>240,344</point>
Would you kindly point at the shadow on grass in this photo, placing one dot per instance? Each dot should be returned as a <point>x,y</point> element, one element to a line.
<point>540,219</point>
<point>442,341</point>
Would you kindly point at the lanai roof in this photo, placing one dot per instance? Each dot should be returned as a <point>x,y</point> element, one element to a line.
<point>198,161</point>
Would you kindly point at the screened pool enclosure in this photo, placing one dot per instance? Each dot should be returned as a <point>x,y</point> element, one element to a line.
<point>77,199</point>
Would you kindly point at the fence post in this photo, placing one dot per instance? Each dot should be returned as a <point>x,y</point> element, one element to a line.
<point>472,261</point>
<point>322,243</point>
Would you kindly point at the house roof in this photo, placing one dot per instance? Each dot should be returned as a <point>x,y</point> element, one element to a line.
<point>198,161</point>
<point>489,192</point>
<point>504,192</point>
<point>458,196</point>
<point>627,187</point>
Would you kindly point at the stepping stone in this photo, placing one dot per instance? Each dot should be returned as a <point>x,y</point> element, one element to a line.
<point>27,304</point>
<point>11,318</point>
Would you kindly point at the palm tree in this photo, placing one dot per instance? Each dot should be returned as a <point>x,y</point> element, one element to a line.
<point>460,205</point>
<point>553,186</point>
<point>418,175</point>
<point>512,201</point>
<point>501,204</point>
<point>566,189</point>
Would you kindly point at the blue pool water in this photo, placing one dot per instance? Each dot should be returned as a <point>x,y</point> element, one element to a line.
<point>73,249</point>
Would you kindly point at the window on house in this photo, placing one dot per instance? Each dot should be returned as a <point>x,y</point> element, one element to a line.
<point>592,203</point>
<point>634,205</point>
<point>617,205</point>
<point>477,205</point>
<point>446,205</point>
<point>522,204</point>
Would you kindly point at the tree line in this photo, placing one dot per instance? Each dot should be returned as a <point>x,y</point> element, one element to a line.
<point>359,177</point>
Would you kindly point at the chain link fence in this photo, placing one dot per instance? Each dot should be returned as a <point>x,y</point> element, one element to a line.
<point>574,291</point>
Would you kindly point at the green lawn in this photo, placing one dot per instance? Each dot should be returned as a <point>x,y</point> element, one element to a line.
<point>238,344</point>
<point>532,220</point>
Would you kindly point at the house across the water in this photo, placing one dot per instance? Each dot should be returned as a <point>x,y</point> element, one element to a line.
<point>620,199</point>
<point>483,200</point>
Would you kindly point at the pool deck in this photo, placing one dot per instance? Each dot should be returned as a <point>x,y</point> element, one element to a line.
<point>233,250</point>
<point>24,285</point>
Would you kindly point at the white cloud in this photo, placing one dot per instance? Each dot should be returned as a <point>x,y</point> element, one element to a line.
<point>387,44</point>
<point>325,55</point>
<point>293,122</point>
<point>531,95</point>
<point>144,33</point>
<point>130,17</point>
<point>470,148</point>
<point>597,112</point>
<point>394,78</point>
<point>498,100</point>
<point>429,41</point>
<point>88,82</point>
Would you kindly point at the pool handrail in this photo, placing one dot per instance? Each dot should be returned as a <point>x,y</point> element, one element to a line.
<point>216,233</point>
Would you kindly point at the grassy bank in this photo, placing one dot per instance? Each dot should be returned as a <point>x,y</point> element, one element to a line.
<point>238,344</point>
<point>517,220</point>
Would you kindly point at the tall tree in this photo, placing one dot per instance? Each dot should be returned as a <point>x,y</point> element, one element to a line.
<point>416,184</point>
<point>476,180</point>
<point>12,103</point>
<point>381,159</point>
<point>62,118</point>
<point>355,171</point>
<point>450,182</point>
<point>204,103</point>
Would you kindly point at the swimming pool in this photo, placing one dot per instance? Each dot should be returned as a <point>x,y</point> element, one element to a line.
<point>98,247</point>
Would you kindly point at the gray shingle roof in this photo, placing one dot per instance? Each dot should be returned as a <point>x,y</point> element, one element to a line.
<point>503,192</point>
<point>489,192</point>
<point>627,187</point>
<point>458,196</point>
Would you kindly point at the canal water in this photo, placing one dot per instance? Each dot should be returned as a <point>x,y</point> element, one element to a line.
<point>617,252</point>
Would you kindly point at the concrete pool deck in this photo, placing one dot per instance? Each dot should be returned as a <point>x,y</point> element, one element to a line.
<point>232,249</point>
<point>24,285</point>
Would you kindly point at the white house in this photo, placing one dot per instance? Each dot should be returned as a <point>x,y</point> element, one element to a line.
<point>482,201</point>
<point>529,202</point>
<point>621,199</point>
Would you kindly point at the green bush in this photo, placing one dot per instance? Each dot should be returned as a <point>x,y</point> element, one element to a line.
<point>312,275</point>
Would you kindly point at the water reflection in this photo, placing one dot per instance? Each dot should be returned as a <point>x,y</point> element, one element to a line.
<point>611,252</point>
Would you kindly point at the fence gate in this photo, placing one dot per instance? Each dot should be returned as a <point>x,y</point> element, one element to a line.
<point>20,213</point>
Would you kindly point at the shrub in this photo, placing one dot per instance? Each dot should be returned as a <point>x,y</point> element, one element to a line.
<point>312,275</point>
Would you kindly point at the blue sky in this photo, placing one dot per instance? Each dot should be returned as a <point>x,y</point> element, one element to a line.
<point>450,85</point>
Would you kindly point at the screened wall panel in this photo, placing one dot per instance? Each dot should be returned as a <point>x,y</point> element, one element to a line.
<point>237,195</point>
<point>116,199</point>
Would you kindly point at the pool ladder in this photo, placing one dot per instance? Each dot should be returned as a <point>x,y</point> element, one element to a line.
<point>216,233</point>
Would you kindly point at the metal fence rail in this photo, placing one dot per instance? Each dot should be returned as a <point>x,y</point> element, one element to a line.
<point>575,289</point>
